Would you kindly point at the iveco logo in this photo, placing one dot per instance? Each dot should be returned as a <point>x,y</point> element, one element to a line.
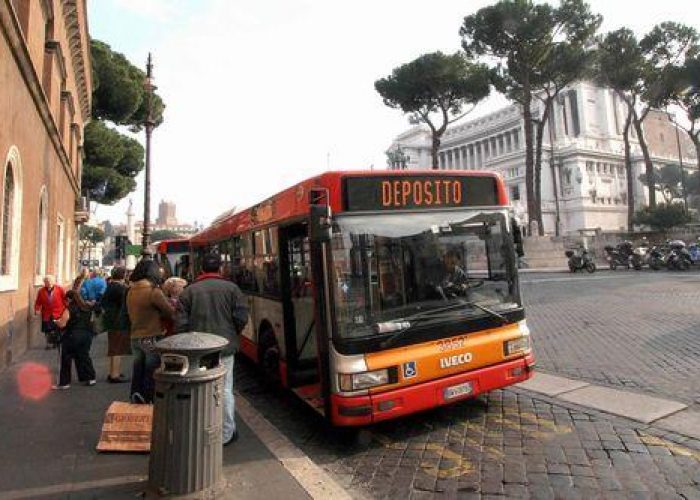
<point>457,359</point>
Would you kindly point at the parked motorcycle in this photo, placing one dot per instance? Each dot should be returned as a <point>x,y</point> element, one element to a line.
<point>679,258</point>
<point>623,255</point>
<point>657,258</point>
<point>580,260</point>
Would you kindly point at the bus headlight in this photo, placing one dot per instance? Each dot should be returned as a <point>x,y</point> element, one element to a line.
<point>520,345</point>
<point>357,381</point>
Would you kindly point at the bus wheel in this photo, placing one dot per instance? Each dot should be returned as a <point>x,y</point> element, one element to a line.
<point>269,356</point>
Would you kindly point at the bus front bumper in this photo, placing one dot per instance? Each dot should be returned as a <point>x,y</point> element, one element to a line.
<point>364,410</point>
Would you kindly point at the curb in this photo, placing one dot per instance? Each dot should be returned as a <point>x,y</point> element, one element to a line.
<point>315,481</point>
<point>667,414</point>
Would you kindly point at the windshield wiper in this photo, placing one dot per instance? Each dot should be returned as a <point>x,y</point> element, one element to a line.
<point>401,325</point>
<point>489,311</point>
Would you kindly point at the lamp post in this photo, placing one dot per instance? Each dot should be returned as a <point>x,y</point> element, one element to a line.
<point>680,161</point>
<point>149,124</point>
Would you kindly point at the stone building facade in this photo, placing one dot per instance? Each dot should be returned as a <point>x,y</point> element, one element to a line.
<point>585,179</point>
<point>45,98</point>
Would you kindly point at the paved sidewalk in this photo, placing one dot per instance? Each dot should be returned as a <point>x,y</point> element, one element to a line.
<point>47,445</point>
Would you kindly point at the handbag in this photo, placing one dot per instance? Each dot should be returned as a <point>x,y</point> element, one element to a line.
<point>62,320</point>
<point>123,320</point>
<point>97,322</point>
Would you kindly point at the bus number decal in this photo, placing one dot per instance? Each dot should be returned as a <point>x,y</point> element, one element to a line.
<point>451,344</point>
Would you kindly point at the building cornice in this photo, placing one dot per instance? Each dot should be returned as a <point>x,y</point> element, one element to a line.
<point>11,31</point>
<point>68,97</point>
<point>54,46</point>
<point>75,15</point>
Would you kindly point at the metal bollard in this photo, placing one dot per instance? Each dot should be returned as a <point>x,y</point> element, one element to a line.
<point>186,447</point>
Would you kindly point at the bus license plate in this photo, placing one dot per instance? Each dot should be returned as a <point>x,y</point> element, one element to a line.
<point>457,390</point>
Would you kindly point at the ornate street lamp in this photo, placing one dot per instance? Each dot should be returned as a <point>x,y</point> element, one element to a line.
<point>149,124</point>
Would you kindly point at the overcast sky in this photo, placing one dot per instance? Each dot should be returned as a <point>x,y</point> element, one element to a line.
<point>262,94</point>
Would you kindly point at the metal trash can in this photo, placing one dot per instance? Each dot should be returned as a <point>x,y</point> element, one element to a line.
<point>186,447</point>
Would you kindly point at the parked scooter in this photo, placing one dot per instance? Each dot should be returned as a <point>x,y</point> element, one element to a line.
<point>580,260</point>
<point>641,255</point>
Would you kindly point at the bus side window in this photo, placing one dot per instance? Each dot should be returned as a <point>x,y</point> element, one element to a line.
<point>243,271</point>
<point>266,261</point>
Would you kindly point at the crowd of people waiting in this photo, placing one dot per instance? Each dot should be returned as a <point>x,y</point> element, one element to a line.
<point>137,310</point>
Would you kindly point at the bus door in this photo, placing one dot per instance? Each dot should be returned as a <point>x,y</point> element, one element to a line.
<point>299,314</point>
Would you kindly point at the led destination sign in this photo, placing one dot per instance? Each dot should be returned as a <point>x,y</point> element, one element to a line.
<point>419,192</point>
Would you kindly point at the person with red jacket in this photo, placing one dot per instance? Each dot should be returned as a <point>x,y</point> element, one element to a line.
<point>50,303</point>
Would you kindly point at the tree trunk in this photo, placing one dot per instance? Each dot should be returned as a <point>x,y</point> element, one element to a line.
<point>529,163</point>
<point>539,137</point>
<point>649,166</point>
<point>434,151</point>
<point>696,142</point>
<point>628,170</point>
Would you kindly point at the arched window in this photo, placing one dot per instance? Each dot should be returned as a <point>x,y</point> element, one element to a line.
<point>42,233</point>
<point>10,220</point>
<point>8,196</point>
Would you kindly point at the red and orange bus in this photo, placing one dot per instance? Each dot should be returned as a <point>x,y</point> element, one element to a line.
<point>174,257</point>
<point>373,295</point>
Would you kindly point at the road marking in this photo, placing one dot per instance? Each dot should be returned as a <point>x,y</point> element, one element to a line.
<point>576,278</point>
<point>650,440</point>
<point>462,465</point>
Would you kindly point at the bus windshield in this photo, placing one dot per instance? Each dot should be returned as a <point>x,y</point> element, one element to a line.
<point>389,267</point>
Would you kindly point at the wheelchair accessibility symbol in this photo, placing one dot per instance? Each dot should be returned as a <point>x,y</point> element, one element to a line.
<point>409,369</point>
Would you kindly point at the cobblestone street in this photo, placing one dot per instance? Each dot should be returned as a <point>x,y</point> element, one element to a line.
<point>624,330</point>
<point>508,443</point>
<point>636,330</point>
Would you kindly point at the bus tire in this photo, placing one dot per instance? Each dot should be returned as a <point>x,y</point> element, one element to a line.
<point>269,356</point>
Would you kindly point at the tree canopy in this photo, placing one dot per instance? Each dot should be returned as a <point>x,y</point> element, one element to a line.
<point>113,159</point>
<point>663,216</point>
<point>669,179</point>
<point>646,74</point>
<point>435,83</point>
<point>534,48</point>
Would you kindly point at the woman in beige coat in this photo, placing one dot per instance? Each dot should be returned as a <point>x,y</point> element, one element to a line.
<point>148,308</point>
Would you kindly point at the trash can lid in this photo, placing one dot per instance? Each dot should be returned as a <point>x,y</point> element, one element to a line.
<point>192,342</point>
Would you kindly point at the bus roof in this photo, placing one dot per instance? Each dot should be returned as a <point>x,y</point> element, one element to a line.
<point>294,201</point>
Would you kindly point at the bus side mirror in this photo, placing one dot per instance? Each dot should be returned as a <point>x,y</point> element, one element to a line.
<point>517,238</point>
<point>320,224</point>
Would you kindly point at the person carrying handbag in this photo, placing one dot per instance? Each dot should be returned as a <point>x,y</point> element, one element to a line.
<point>50,303</point>
<point>76,341</point>
<point>148,308</point>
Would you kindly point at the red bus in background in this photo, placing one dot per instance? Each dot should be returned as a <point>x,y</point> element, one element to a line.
<point>374,295</point>
<point>174,257</point>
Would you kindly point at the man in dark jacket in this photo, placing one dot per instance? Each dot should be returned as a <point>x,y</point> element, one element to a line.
<point>213,304</point>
